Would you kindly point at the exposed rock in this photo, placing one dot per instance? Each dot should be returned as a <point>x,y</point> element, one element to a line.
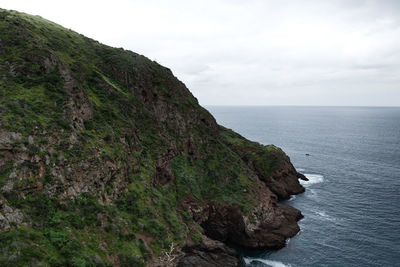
<point>4,224</point>
<point>227,224</point>
<point>30,140</point>
<point>8,186</point>
<point>9,139</point>
<point>209,253</point>
<point>284,181</point>
<point>13,215</point>
<point>302,176</point>
<point>9,216</point>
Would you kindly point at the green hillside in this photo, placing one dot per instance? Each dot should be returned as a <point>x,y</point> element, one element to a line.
<point>104,154</point>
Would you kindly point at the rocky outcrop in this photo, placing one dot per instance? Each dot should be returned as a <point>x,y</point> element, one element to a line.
<point>9,217</point>
<point>209,253</point>
<point>284,181</point>
<point>266,226</point>
<point>8,139</point>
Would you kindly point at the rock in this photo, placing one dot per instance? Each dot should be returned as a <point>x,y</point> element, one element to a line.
<point>47,159</point>
<point>209,253</point>
<point>302,176</point>
<point>269,227</point>
<point>8,216</point>
<point>9,139</point>
<point>13,215</point>
<point>36,159</point>
<point>8,186</point>
<point>30,140</point>
<point>98,260</point>
<point>7,209</point>
<point>224,223</point>
<point>101,247</point>
<point>284,181</point>
<point>4,224</point>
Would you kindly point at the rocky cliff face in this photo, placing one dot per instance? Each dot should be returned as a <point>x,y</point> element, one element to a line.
<point>107,159</point>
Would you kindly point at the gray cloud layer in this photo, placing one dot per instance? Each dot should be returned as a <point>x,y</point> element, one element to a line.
<point>253,52</point>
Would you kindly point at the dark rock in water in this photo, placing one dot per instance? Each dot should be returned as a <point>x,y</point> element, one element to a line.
<point>307,154</point>
<point>302,176</point>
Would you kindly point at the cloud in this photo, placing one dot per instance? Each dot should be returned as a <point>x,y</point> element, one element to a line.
<point>254,52</point>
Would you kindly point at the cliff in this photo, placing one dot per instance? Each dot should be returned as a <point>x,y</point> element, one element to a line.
<point>107,159</point>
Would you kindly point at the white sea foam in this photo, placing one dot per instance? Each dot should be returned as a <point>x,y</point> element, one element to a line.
<point>300,169</point>
<point>325,216</point>
<point>292,198</point>
<point>267,262</point>
<point>312,179</point>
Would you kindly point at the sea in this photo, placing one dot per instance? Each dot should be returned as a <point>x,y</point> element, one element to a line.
<point>351,156</point>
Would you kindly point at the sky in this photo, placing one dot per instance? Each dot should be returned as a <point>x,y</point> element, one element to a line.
<point>252,52</point>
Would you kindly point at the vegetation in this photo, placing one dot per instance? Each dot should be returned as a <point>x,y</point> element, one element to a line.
<point>109,122</point>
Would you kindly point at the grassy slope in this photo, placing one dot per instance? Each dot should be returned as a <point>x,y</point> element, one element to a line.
<point>145,217</point>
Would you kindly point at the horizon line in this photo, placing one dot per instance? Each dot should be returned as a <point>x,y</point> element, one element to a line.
<point>267,105</point>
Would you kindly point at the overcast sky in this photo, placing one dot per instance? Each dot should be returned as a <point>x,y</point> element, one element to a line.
<point>252,52</point>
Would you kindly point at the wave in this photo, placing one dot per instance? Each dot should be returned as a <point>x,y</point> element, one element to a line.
<point>312,179</point>
<point>325,216</point>
<point>267,262</point>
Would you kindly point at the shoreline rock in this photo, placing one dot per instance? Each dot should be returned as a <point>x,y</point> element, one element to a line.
<point>265,227</point>
<point>208,253</point>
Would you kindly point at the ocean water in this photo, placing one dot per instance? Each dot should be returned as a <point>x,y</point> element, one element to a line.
<point>351,206</point>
